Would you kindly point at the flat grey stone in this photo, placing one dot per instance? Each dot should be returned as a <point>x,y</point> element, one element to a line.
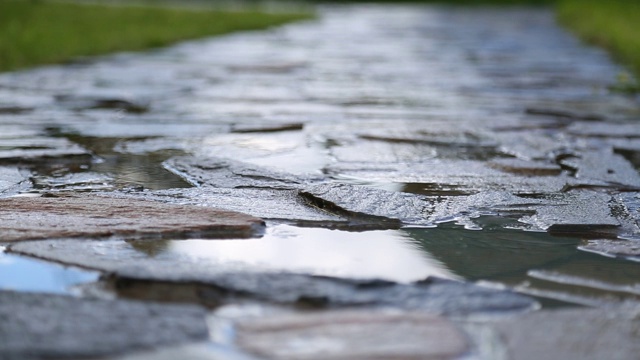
<point>12,180</point>
<point>572,212</point>
<point>461,174</point>
<point>606,333</point>
<point>160,278</point>
<point>34,149</point>
<point>576,212</point>
<point>225,173</point>
<point>627,249</point>
<point>269,204</point>
<point>45,326</point>
<point>355,334</point>
<point>604,166</point>
<point>86,215</point>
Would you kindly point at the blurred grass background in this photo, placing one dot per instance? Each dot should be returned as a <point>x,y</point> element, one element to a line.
<point>36,32</point>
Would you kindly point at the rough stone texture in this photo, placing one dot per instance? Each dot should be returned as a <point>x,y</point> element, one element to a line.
<point>468,175</point>
<point>12,180</point>
<point>572,212</point>
<point>34,149</point>
<point>608,333</point>
<point>352,335</point>
<point>225,173</point>
<point>263,203</point>
<point>27,218</point>
<point>605,167</point>
<point>210,284</point>
<point>39,326</point>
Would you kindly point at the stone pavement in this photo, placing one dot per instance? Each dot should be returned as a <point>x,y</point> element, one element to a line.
<point>480,146</point>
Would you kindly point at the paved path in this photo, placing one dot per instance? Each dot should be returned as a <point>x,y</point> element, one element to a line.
<point>445,114</point>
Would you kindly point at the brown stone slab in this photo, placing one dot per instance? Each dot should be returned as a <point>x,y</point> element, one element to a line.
<point>351,335</point>
<point>88,215</point>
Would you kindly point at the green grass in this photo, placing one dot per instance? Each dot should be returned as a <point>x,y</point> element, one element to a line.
<point>612,24</point>
<point>43,32</point>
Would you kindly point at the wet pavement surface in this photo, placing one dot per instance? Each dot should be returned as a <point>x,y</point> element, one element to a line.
<point>382,182</point>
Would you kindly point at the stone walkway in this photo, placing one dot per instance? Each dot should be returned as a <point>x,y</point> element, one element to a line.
<point>370,125</point>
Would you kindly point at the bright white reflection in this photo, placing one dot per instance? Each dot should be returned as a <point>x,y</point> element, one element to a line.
<point>389,254</point>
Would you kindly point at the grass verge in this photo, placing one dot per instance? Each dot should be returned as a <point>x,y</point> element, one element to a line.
<point>612,24</point>
<point>34,32</point>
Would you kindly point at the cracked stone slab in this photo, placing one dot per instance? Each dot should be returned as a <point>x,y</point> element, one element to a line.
<point>86,215</point>
<point>226,173</point>
<point>574,212</point>
<point>45,326</point>
<point>352,335</point>
<point>160,278</point>
<point>606,333</point>
<point>269,204</point>
<point>12,181</point>
<point>33,149</point>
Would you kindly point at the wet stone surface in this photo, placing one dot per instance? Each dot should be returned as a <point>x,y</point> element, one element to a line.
<point>36,326</point>
<point>352,335</point>
<point>211,284</point>
<point>472,144</point>
<point>31,218</point>
<point>573,334</point>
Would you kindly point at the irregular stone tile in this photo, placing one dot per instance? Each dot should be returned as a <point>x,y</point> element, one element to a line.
<point>12,181</point>
<point>45,326</point>
<point>462,174</point>
<point>160,278</point>
<point>603,166</point>
<point>352,335</point>
<point>606,333</point>
<point>225,173</point>
<point>34,149</point>
<point>525,168</point>
<point>263,203</point>
<point>529,144</point>
<point>86,215</point>
<point>586,213</point>
<point>626,249</point>
<point>365,201</point>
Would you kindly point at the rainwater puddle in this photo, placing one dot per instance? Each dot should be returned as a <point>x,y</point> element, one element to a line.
<point>389,254</point>
<point>21,273</point>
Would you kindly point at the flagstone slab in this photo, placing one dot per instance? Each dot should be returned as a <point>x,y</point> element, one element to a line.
<point>86,215</point>
<point>45,326</point>
<point>12,180</point>
<point>227,173</point>
<point>606,333</point>
<point>351,335</point>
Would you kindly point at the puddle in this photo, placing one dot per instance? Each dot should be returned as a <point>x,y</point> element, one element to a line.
<point>21,273</point>
<point>390,254</point>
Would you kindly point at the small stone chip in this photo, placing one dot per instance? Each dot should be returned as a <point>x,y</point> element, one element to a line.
<point>351,335</point>
<point>86,215</point>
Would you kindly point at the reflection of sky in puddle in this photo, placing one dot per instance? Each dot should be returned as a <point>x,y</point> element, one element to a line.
<point>387,254</point>
<point>24,274</point>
